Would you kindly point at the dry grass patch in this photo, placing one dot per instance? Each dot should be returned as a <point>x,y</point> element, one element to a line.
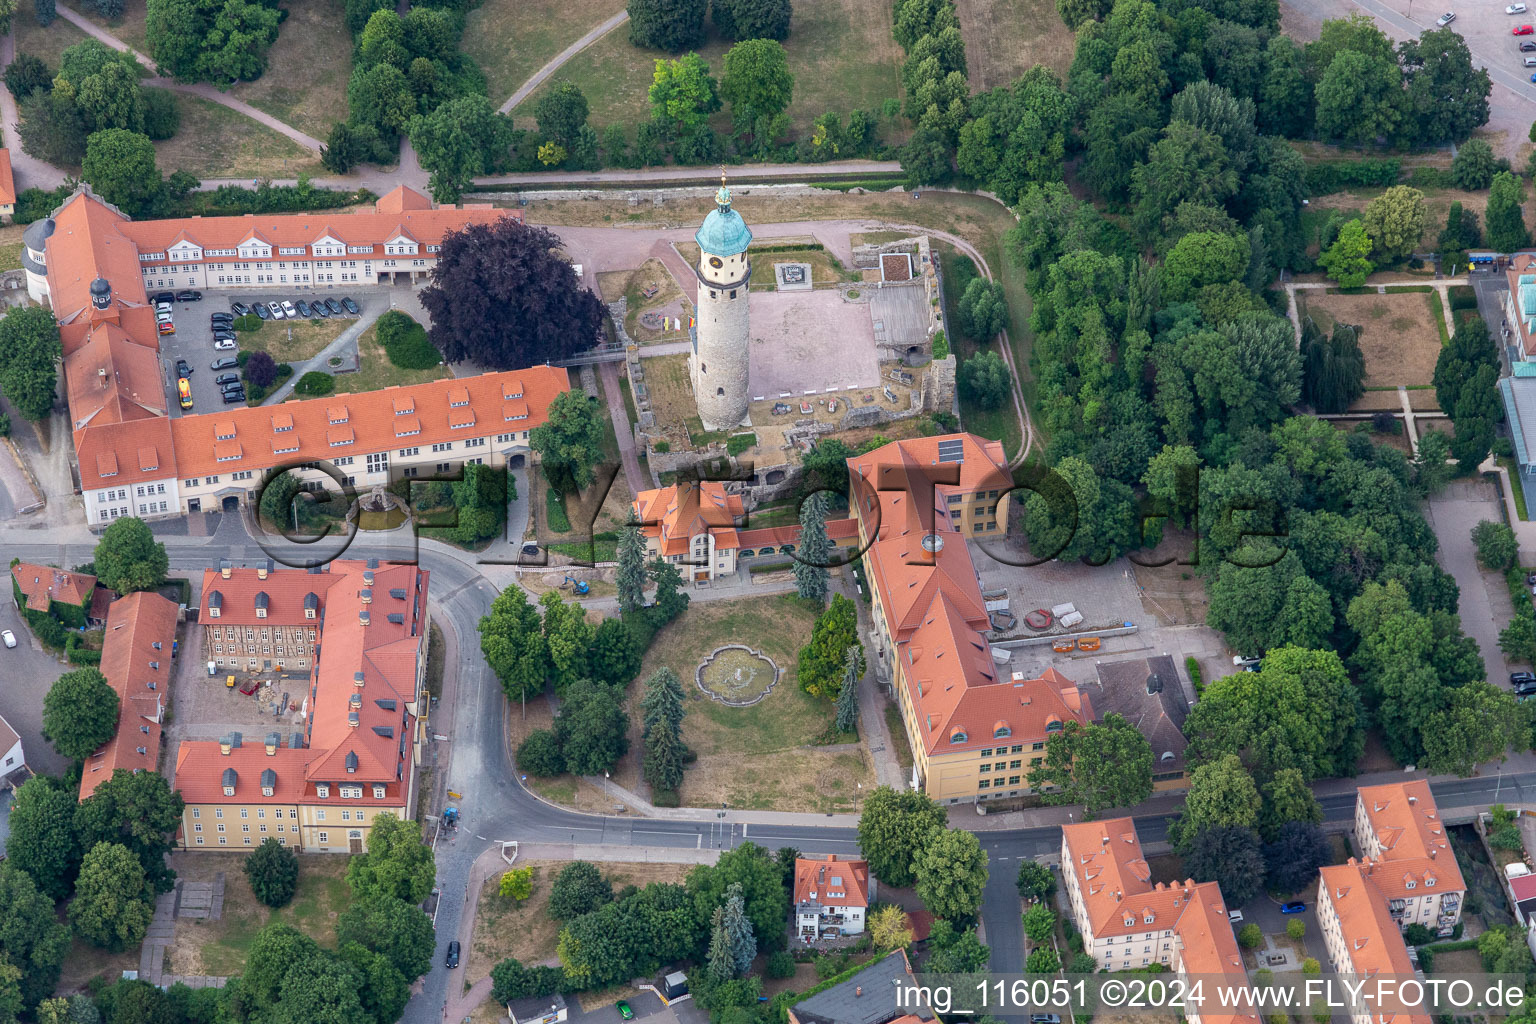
<point>671,393</point>
<point>129,26</point>
<point>220,947</point>
<point>1173,593</point>
<point>46,43</point>
<point>86,962</point>
<point>10,246</point>
<point>1005,38</point>
<point>665,297</point>
<point>513,39</point>
<point>305,84</point>
<point>293,341</point>
<point>778,734</point>
<point>841,53</point>
<point>1397,333</point>
<point>375,371</point>
<point>216,142</point>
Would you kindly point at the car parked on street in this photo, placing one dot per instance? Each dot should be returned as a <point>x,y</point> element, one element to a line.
<point>1445,19</point>
<point>452,959</point>
<point>159,297</point>
<point>8,637</point>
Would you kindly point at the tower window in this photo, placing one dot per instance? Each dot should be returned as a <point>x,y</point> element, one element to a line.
<point>703,367</point>
<point>733,293</point>
<point>712,294</point>
<point>719,391</point>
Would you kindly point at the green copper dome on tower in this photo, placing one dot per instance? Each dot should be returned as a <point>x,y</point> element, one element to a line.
<point>723,232</point>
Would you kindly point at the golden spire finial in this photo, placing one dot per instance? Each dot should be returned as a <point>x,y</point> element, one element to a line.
<point>722,175</point>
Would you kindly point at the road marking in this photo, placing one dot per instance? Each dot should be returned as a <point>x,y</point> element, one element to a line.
<point>645,832</point>
<point>815,839</point>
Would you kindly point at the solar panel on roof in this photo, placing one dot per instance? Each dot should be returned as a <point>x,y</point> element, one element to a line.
<point>951,451</point>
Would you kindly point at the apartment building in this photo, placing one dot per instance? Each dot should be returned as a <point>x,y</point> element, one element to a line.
<point>831,897</point>
<point>974,730</point>
<point>701,528</point>
<point>95,267</point>
<point>1398,829</point>
<point>136,661</point>
<point>1127,921</point>
<point>1360,933</point>
<point>364,714</point>
<point>260,620</point>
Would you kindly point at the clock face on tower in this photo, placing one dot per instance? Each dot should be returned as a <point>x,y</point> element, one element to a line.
<point>716,262</point>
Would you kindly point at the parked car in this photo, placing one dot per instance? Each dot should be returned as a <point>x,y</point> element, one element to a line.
<point>1515,9</point>
<point>239,309</point>
<point>1526,46</point>
<point>164,297</point>
<point>224,363</point>
<point>231,397</point>
<point>318,309</point>
<point>183,369</point>
<point>624,1011</point>
<point>8,637</point>
<point>190,296</point>
<point>1522,30</point>
<point>225,336</point>
<point>222,323</point>
<point>263,312</point>
<point>226,378</point>
<point>226,344</point>
<point>453,956</point>
<point>289,310</point>
<point>1525,689</point>
<point>234,385</point>
<point>1292,907</point>
<point>1517,678</point>
<point>334,307</point>
<point>1445,19</point>
<point>276,310</point>
<point>1235,916</point>
<point>350,306</point>
<point>163,309</point>
<point>303,308</point>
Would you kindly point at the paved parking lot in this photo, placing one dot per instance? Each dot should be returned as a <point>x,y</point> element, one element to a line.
<point>193,341</point>
<point>28,671</point>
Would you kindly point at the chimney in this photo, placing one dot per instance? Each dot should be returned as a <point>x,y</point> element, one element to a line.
<point>366,593</point>
<point>101,293</point>
<point>272,740</point>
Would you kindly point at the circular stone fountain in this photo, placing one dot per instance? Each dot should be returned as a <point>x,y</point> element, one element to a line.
<point>736,675</point>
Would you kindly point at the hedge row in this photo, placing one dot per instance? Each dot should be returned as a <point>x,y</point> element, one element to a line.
<point>1338,175</point>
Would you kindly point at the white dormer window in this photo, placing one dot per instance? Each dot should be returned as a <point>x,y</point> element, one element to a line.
<point>266,790</point>
<point>284,451</point>
<point>351,792</point>
<point>261,613</point>
<point>378,792</point>
<point>229,790</point>
<point>1429,883</point>
<point>213,612</point>
<point>291,251</point>
<point>323,790</point>
<point>1410,884</point>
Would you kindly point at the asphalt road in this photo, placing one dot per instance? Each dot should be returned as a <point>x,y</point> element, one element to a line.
<point>496,807</point>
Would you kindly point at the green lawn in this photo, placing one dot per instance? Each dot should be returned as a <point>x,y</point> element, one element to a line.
<point>375,371</point>
<point>129,26</point>
<point>305,84</point>
<point>841,53</point>
<point>46,43</point>
<point>512,39</point>
<point>322,895</point>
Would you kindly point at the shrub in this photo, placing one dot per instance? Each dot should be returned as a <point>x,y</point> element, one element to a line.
<point>1427,960</point>
<point>1193,668</point>
<point>273,871</point>
<point>1250,937</point>
<point>1296,928</point>
<point>781,965</point>
<point>5,425</point>
<point>554,506</point>
<point>1463,297</point>
<point>1384,423</point>
<point>940,345</point>
<point>78,654</point>
<point>1417,935</point>
<point>314,383</point>
<point>738,443</point>
<point>540,754</point>
<point>662,447</point>
<point>405,342</point>
<point>260,369</point>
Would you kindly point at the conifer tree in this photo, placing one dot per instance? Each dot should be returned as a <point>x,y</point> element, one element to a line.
<point>848,696</point>
<point>663,702</point>
<point>630,575</point>
<point>811,557</point>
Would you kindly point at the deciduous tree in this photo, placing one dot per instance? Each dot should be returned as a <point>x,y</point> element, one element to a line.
<point>1221,793</point>
<point>570,442</point>
<point>1503,218</point>
<point>1394,220</point>
<point>273,871</point>
<point>397,863</point>
<point>1347,260</point>
<point>512,640</point>
<point>42,841</point>
<point>1481,723</point>
<point>986,381</point>
<point>1105,764</point>
<point>1036,882</point>
<point>1039,922</point>
<point>458,141</point>
<point>890,928</point>
<point>1496,545</point>
<point>670,25</point>
<point>113,901</point>
<point>29,353</point>
<point>762,884</point>
<point>951,872</point>
<point>820,665</point>
<point>383,924</point>
<point>1294,855</point>
<point>80,713</point>
<point>1287,799</point>
<point>751,19</point>
<point>1229,856</point>
<point>1474,165</point>
<point>757,82</point>
<point>592,728</point>
<point>579,888</point>
<point>1447,95</point>
<point>683,94</point>
<point>138,810</point>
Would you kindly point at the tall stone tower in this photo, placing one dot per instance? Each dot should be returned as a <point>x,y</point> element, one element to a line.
<point>718,365</point>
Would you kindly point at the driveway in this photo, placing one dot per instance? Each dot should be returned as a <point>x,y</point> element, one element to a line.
<point>29,670</point>
<point>1485,607</point>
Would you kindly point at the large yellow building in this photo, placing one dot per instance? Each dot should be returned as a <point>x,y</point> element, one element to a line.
<point>363,712</point>
<point>974,730</point>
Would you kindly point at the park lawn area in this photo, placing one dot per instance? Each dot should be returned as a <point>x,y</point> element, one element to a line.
<point>779,734</point>
<point>220,947</point>
<point>1437,204</point>
<point>214,141</point>
<point>1398,332</point>
<point>86,962</point>
<point>293,341</point>
<point>46,43</point>
<point>375,371</point>
<point>841,53</point>
<point>10,246</point>
<point>506,928</point>
<point>513,39</point>
<point>305,84</point>
<point>1005,38</point>
<point>128,26</point>
<point>666,299</point>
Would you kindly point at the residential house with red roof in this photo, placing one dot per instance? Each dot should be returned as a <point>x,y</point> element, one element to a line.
<point>95,267</point>
<point>71,597</point>
<point>974,729</point>
<point>706,531</point>
<point>364,712</point>
<point>7,187</point>
<point>1398,827</point>
<point>831,897</point>
<point>1127,921</point>
<point>1360,933</point>
<point>136,661</point>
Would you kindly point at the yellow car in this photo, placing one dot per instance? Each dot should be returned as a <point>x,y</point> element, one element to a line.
<point>184,392</point>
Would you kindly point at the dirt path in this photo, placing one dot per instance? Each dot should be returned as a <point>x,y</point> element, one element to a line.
<point>200,89</point>
<point>564,55</point>
<point>634,475</point>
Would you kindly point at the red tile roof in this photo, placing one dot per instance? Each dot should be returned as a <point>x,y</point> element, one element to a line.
<point>7,182</point>
<point>1371,939</point>
<point>111,455</point>
<point>674,514</point>
<point>1414,845</point>
<point>236,597</point>
<point>112,379</point>
<point>140,672</point>
<point>293,432</point>
<point>1523,886</point>
<point>41,584</point>
<point>832,882</point>
<point>200,766</point>
<point>87,243</point>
